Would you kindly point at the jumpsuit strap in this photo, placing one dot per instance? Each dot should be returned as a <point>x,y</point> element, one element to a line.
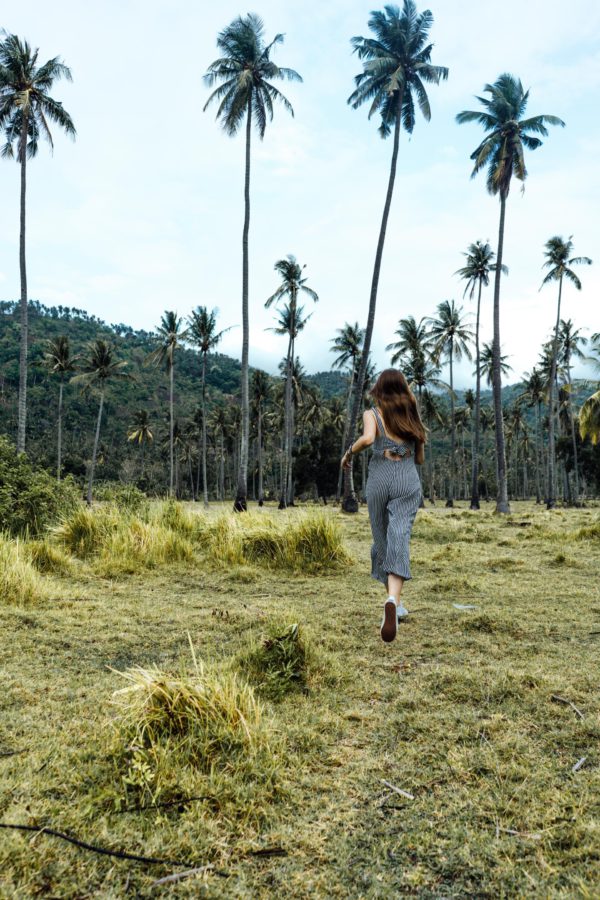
<point>380,427</point>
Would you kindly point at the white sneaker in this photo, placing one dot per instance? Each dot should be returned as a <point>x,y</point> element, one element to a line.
<point>401,611</point>
<point>389,624</point>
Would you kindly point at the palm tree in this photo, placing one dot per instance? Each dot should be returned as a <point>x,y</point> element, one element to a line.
<point>291,323</point>
<point>476,274</point>
<point>486,363</point>
<point>170,335</point>
<point>348,346</point>
<point>99,367</point>
<point>449,337</point>
<point>502,153</point>
<point>244,73</point>
<point>261,389</point>
<point>26,108</point>
<point>534,394</point>
<point>570,340</point>
<point>141,433</point>
<point>432,413</point>
<point>59,362</point>
<point>203,333</point>
<point>559,262</point>
<point>589,418</point>
<point>396,64</point>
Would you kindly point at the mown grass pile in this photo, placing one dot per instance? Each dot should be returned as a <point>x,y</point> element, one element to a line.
<point>20,583</point>
<point>279,663</point>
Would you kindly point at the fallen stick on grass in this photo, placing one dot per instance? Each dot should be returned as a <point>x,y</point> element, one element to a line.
<point>398,790</point>
<point>5,753</point>
<point>579,764</point>
<point>564,700</point>
<point>523,834</point>
<point>179,876</point>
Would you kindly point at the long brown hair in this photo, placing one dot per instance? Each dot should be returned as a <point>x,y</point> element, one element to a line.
<point>398,406</point>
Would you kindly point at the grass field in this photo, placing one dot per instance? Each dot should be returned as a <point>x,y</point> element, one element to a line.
<point>478,718</point>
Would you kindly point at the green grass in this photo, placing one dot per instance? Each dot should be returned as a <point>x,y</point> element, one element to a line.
<point>270,743</point>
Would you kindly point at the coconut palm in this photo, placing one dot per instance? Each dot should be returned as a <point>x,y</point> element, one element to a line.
<point>202,332</point>
<point>141,434</point>
<point>502,153</point>
<point>433,415</point>
<point>261,389</point>
<point>570,341</point>
<point>396,67</point>
<point>476,273</point>
<point>589,419</point>
<point>245,73</point>
<point>559,262</point>
<point>26,109</point>
<point>291,323</point>
<point>98,369</point>
<point>170,336</point>
<point>486,363</point>
<point>59,361</point>
<point>534,394</point>
<point>449,338</point>
<point>348,346</point>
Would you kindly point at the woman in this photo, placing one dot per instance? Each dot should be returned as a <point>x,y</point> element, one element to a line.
<point>393,426</point>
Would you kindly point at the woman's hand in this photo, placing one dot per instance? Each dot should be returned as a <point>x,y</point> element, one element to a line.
<point>346,462</point>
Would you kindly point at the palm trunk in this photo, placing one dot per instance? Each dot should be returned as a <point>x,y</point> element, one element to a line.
<point>22,405</point>
<point>502,504</point>
<point>551,498</point>
<point>350,503</point>
<point>59,437</point>
<point>291,428</point>
<point>143,457</point>
<point>260,456</point>
<point>450,498</point>
<point>204,480</point>
<point>476,439</point>
<point>95,451</point>
<point>283,499</point>
<point>171,428</point>
<point>538,489</point>
<point>573,435</point>
<point>338,492</point>
<point>241,497</point>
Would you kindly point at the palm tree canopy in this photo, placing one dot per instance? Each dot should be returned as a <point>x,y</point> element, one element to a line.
<point>396,66</point>
<point>244,74</point>
<point>559,260</point>
<point>486,363</point>
<point>589,418</point>
<point>25,98</point>
<point>534,387</point>
<point>290,320</point>
<point>202,330</point>
<point>479,263</point>
<point>449,333</point>
<point>570,339</point>
<point>347,345</point>
<point>412,339</point>
<point>99,365</point>
<point>292,282</point>
<point>57,356</point>
<point>171,335</point>
<point>141,433</point>
<point>508,134</point>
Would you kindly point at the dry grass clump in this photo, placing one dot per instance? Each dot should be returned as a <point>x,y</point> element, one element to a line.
<point>85,531</point>
<point>589,532</point>
<point>48,558</point>
<point>173,515</point>
<point>20,584</point>
<point>278,665</point>
<point>137,545</point>
<point>309,543</point>
<point>200,730</point>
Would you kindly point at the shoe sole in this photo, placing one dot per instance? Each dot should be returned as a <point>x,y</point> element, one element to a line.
<point>390,622</point>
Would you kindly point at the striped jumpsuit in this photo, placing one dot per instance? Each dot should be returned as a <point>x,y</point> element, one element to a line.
<point>393,498</point>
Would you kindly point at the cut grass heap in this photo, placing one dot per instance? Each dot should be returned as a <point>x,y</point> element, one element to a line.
<point>278,664</point>
<point>20,584</point>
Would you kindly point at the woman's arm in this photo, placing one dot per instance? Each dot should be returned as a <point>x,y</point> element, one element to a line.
<point>365,440</point>
<point>419,453</point>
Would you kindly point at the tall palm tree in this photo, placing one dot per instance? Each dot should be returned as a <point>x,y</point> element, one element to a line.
<point>98,368</point>
<point>396,67</point>
<point>244,73</point>
<point>559,262</point>
<point>59,361</point>
<point>449,337</point>
<point>348,346</point>
<point>486,363</point>
<point>26,109</point>
<point>433,415</point>
<point>170,335</point>
<point>476,274</point>
<point>203,333</point>
<point>570,341</point>
<point>534,394</point>
<point>502,152</point>
<point>291,323</point>
<point>141,433</point>
<point>261,389</point>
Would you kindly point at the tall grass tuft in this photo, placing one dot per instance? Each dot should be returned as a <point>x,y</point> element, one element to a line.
<point>20,584</point>
<point>308,543</point>
<point>278,665</point>
<point>135,545</point>
<point>48,558</point>
<point>84,531</point>
<point>200,723</point>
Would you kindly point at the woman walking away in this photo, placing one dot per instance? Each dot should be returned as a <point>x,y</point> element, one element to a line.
<point>393,426</point>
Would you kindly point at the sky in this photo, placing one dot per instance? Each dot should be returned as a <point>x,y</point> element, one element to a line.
<point>144,211</point>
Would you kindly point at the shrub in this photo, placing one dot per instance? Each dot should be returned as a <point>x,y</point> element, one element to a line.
<point>30,498</point>
<point>20,584</point>
<point>124,496</point>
